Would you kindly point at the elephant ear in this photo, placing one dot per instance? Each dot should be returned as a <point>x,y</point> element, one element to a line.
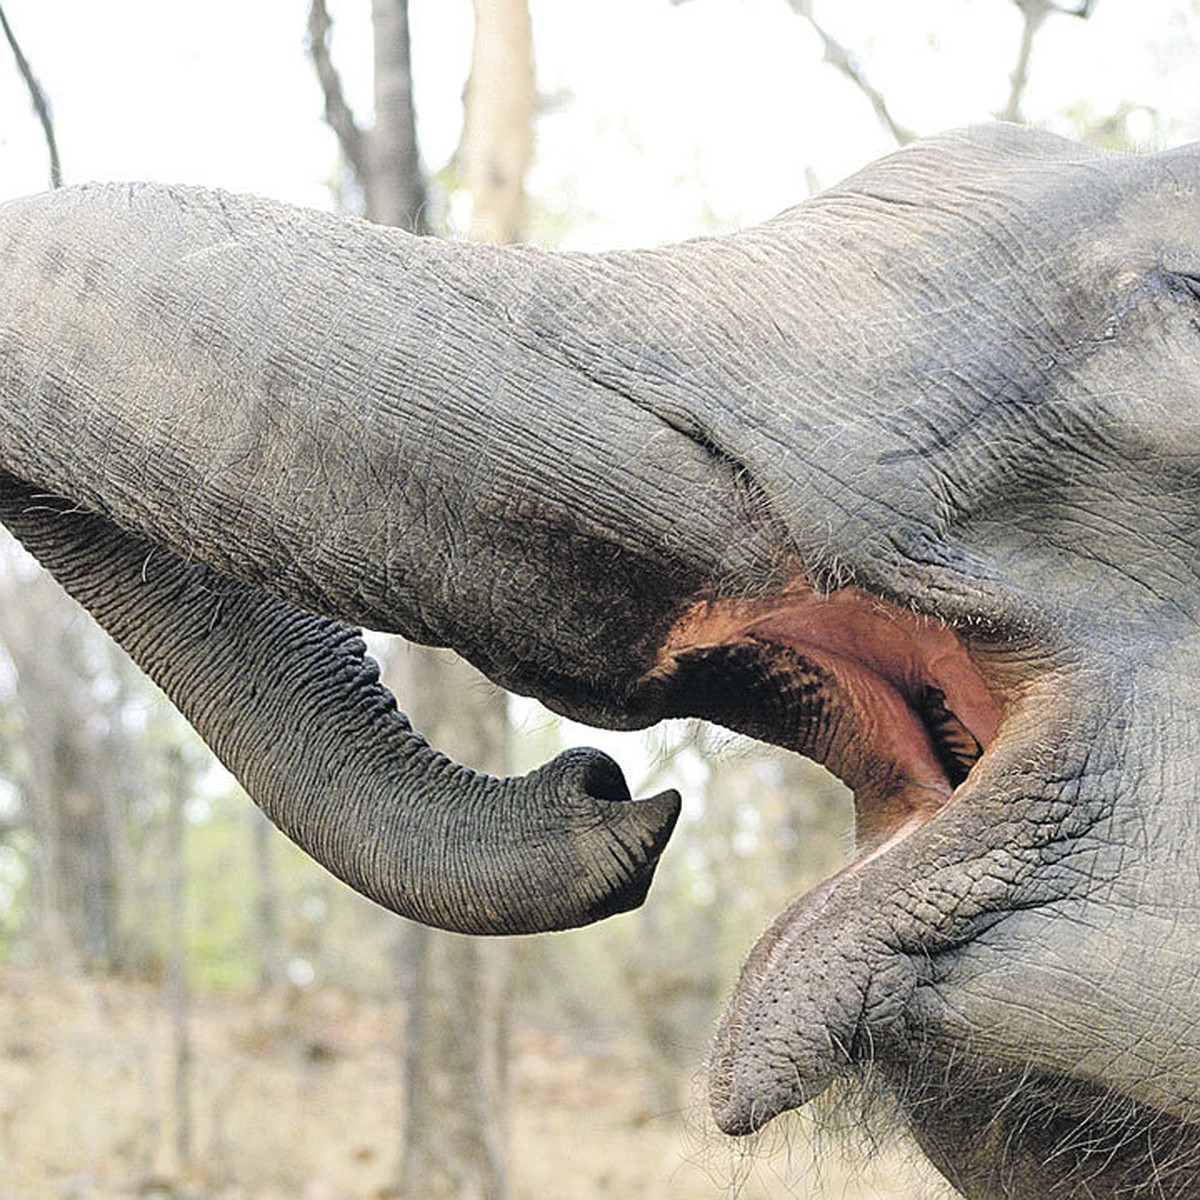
<point>293,706</point>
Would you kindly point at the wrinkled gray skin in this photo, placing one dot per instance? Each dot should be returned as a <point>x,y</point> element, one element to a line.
<point>966,381</point>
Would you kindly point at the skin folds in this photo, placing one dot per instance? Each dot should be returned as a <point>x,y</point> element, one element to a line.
<point>903,480</point>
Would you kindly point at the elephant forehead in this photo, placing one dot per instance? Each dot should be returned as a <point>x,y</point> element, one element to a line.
<point>1034,188</point>
<point>951,356</point>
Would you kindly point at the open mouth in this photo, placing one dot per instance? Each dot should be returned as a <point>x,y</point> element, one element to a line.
<point>891,703</point>
<point>888,701</point>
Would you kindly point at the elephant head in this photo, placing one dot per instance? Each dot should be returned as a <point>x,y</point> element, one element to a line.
<point>904,480</point>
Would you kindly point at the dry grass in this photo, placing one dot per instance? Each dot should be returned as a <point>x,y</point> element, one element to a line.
<point>295,1096</point>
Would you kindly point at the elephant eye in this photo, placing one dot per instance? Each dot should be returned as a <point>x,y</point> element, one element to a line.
<point>1189,283</point>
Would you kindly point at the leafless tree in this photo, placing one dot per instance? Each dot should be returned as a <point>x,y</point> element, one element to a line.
<point>454,1078</point>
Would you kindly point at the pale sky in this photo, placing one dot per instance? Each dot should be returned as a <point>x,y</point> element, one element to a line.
<point>669,119</point>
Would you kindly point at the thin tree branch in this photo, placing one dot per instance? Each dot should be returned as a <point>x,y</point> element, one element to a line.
<point>338,113</point>
<point>1033,13</point>
<point>40,104</point>
<point>837,56</point>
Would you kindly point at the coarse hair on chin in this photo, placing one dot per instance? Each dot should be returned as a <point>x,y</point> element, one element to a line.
<point>852,1143</point>
<point>1018,1131</point>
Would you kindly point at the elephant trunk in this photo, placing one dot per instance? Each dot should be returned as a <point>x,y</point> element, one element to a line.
<point>292,705</point>
<point>262,422</point>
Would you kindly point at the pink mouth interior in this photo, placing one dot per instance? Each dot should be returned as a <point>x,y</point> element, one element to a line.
<point>904,712</point>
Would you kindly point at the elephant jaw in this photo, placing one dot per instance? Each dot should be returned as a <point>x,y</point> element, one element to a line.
<point>891,703</point>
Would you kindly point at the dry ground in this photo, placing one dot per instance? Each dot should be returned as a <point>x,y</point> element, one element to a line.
<point>295,1096</point>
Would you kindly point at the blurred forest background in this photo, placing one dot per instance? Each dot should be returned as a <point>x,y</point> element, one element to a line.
<point>188,1006</point>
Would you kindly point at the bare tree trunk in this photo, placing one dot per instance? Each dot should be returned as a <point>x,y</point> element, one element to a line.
<point>72,782</point>
<point>455,1136</point>
<point>497,140</point>
<point>394,185</point>
<point>267,925</point>
<point>177,981</point>
<point>454,1133</point>
<point>454,988</point>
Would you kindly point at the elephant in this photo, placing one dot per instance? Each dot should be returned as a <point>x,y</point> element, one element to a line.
<point>903,479</point>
